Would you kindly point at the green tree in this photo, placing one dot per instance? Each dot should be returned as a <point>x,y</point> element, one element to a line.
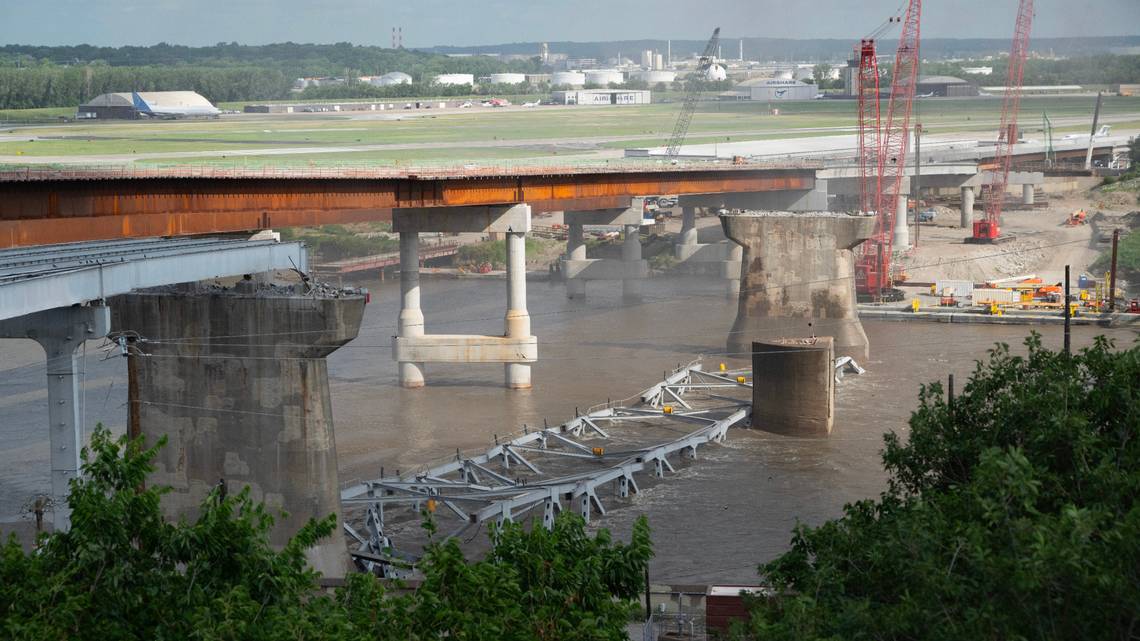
<point>1011,513</point>
<point>123,572</point>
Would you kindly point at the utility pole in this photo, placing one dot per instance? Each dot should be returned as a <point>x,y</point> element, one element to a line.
<point>1068,338</point>
<point>1112,272</point>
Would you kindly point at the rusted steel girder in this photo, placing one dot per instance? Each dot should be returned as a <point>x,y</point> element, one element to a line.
<point>54,211</point>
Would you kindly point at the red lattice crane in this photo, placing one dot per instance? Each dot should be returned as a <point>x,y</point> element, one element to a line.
<point>892,139</point>
<point>988,229</point>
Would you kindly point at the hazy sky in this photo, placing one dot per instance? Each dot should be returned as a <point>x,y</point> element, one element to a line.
<point>472,22</point>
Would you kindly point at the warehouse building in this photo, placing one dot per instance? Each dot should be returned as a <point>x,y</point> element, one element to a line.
<point>773,89</point>
<point>124,106</point>
<point>946,87</point>
<point>602,97</point>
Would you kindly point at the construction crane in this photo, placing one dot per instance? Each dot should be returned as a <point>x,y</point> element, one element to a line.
<point>704,63</point>
<point>873,270</point>
<point>988,229</point>
<point>867,90</point>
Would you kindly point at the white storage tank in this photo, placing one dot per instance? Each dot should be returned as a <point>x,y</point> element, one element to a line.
<point>508,78</point>
<point>716,73</point>
<point>603,77</point>
<point>393,78</point>
<point>654,77</point>
<point>571,78</point>
<point>455,79</point>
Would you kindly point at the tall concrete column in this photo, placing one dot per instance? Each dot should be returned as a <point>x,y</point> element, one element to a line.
<point>245,402</point>
<point>575,250</point>
<point>800,278</point>
<point>967,207</point>
<point>732,268</point>
<point>631,256</point>
<point>902,231</point>
<point>1027,195</point>
<point>518,318</point>
<point>688,225</point>
<point>411,321</point>
<point>61,332</point>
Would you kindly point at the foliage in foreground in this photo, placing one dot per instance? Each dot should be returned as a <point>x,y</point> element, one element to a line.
<point>122,572</point>
<point>1012,514</point>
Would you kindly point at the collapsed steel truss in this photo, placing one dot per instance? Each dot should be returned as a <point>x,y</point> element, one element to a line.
<point>506,482</point>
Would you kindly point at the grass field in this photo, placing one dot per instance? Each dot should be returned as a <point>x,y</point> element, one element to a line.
<point>513,133</point>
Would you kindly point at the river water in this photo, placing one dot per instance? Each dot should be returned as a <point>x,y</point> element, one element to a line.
<point>713,521</point>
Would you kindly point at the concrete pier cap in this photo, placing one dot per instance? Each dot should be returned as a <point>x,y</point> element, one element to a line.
<point>237,381</point>
<point>798,277</point>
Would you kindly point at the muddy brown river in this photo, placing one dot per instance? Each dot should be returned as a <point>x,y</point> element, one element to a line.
<point>713,521</point>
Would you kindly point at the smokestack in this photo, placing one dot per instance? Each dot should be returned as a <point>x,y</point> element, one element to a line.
<point>669,52</point>
<point>393,37</point>
<point>742,49</point>
<point>401,32</point>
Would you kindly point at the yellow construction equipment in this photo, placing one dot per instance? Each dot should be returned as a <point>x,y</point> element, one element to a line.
<point>1077,218</point>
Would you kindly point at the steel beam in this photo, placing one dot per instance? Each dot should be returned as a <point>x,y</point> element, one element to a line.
<point>40,209</point>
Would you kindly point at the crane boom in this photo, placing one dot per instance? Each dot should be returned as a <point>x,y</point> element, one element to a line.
<point>989,229</point>
<point>867,89</point>
<point>873,270</point>
<point>690,104</point>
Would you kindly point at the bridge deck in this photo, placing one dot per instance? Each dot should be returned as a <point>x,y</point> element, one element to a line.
<point>45,206</point>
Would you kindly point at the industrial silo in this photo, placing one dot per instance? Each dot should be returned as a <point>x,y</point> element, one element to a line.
<point>569,78</point>
<point>508,78</point>
<point>455,79</point>
<point>654,77</point>
<point>604,77</point>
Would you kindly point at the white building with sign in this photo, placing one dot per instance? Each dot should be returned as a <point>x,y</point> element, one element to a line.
<point>602,97</point>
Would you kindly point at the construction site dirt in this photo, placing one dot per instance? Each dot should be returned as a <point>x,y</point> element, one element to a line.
<point>714,520</point>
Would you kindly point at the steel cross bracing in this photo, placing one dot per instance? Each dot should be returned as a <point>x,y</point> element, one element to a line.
<point>568,466</point>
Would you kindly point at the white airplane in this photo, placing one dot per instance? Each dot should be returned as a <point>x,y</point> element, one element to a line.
<point>174,111</point>
<point>530,104</point>
<point>925,95</point>
<point>1100,133</point>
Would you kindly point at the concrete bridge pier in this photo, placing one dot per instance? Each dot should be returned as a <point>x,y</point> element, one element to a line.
<point>518,318</point>
<point>61,332</point>
<point>688,236</point>
<point>1027,195</point>
<point>630,270</point>
<point>727,253</point>
<point>411,320</point>
<point>901,231</point>
<point>237,382</point>
<point>575,251</point>
<point>412,347</point>
<point>799,279</point>
<point>967,220</point>
<point>631,258</point>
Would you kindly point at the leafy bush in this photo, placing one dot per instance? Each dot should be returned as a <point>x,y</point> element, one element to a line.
<point>1013,512</point>
<point>123,572</point>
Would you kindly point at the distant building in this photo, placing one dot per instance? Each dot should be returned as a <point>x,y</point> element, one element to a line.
<point>391,78</point>
<point>774,89</point>
<point>128,105</point>
<point>978,71</point>
<point>602,97</point>
<point>946,87</point>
